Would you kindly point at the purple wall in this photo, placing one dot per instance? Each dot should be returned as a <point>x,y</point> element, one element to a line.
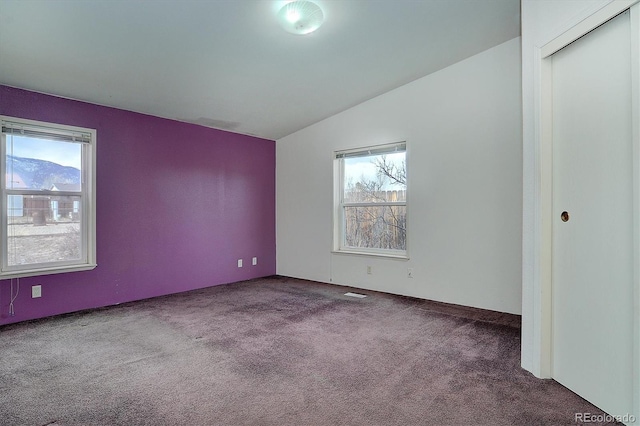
<point>177,206</point>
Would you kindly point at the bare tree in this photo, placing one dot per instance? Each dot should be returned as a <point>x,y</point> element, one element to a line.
<point>396,173</point>
<point>377,226</point>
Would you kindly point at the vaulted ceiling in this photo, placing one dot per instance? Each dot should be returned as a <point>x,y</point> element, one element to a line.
<point>227,64</point>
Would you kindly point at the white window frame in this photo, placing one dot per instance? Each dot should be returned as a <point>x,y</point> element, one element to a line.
<point>87,259</point>
<point>339,245</point>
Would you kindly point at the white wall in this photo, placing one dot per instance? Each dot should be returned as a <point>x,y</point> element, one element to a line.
<point>464,156</point>
<point>542,21</point>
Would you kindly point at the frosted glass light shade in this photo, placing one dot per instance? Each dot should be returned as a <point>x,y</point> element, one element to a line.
<point>300,17</point>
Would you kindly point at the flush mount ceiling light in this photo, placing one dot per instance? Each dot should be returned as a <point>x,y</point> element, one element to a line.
<point>300,17</point>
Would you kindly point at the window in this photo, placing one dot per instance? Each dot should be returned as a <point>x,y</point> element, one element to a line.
<point>371,200</point>
<point>48,194</point>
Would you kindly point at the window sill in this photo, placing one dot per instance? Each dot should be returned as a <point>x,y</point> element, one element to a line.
<point>48,271</point>
<point>372,254</point>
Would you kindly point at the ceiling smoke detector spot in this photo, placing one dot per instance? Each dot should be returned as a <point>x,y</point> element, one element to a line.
<point>356,295</point>
<point>300,17</point>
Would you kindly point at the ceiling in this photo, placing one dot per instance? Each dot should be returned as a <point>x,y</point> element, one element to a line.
<point>227,64</point>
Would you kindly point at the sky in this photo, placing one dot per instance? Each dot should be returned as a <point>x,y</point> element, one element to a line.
<point>63,153</point>
<point>357,168</point>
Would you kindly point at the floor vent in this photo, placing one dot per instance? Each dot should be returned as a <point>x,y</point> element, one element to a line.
<point>356,295</point>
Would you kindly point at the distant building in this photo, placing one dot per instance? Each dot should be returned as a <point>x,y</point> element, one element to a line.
<point>66,187</point>
<point>67,206</point>
<point>44,207</point>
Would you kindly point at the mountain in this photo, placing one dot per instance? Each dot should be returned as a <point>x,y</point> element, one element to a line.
<point>39,174</point>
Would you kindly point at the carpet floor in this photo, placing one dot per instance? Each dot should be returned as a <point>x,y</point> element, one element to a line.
<point>275,351</point>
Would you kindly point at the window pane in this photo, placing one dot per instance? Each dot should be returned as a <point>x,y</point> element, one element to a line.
<point>43,164</point>
<point>46,229</point>
<point>379,227</point>
<point>14,206</point>
<point>375,178</point>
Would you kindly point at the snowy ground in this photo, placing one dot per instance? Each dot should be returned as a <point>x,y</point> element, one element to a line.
<point>53,242</point>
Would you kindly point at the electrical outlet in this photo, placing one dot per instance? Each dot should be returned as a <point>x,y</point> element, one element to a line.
<point>409,272</point>
<point>36,291</point>
<point>239,263</point>
<point>254,261</point>
<point>369,270</point>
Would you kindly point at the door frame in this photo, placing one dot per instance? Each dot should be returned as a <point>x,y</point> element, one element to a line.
<point>545,167</point>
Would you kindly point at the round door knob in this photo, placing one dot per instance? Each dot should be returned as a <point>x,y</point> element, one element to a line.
<point>564,216</point>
